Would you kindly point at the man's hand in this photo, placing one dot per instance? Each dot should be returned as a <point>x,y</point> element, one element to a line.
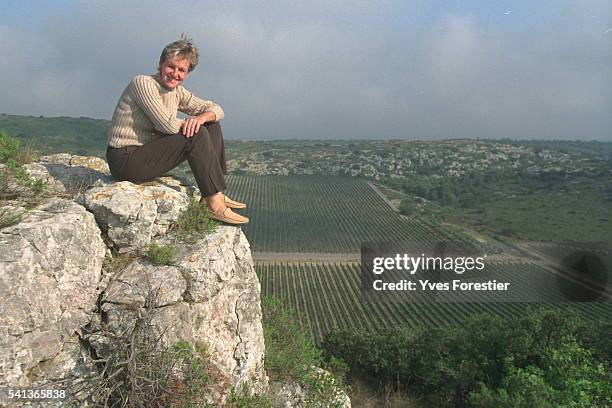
<point>191,126</point>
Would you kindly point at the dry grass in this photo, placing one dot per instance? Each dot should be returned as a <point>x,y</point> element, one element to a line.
<point>27,153</point>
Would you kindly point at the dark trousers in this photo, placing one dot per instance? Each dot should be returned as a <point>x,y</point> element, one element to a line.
<point>204,152</point>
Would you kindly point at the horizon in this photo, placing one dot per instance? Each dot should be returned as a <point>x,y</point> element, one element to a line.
<point>345,70</point>
<point>238,139</point>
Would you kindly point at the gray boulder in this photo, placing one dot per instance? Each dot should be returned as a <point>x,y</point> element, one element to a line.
<point>210,297</point>
<point>50,268</point>
<point>131,215</point>
<point>75,173</point>
<point>61,307</point>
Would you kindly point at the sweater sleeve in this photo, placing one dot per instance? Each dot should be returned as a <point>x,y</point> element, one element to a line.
<point>147,97</point>
<point>192,105</point>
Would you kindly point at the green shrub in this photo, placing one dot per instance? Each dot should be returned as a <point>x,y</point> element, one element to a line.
<point>9,217</point>
<point>407,207</point>
<point>194,379</point>
<point>12,150</point>
<point>566,376</point>
<point>488,361</point>
<point>9,148</point>
<point>291,355</point>
<point>290,351</point>
<point>139,370</point>
<point>244,398</point>
<point>193,223</point>
<point>15,182</point>
<point>161,254</point>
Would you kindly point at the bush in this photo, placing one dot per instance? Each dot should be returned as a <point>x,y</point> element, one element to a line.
<point>291,356</point>
<point>15,182</point>
<point>290,351</point>
<point>407,207</point>
<point>161,254</point>
<point>488,361</point>
<point>244,398</point>
<point>10,216</point>
<point>9,148</point>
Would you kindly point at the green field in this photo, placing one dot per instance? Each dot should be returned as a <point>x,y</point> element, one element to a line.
<point>324,214</point>
<point>327,296</point>
<point>83,136</point>
<point>579,214</point>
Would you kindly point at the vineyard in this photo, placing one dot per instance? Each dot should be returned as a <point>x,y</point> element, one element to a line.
<point>325,215</point>
<point>327,296</point>
<point>321,216</point>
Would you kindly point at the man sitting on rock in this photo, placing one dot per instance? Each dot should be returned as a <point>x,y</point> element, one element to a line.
<point>146,139</point>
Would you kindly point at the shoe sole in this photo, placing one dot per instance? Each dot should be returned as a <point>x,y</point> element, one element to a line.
<point>226,220</point>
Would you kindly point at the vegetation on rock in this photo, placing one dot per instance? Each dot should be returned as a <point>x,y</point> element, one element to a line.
<point>15,182</point>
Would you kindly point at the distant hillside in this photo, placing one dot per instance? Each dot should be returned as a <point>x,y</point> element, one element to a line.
<point>84,136</point>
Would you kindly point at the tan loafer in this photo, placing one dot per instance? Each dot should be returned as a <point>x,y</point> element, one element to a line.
<point>233,203</point>
<point>228,216</point>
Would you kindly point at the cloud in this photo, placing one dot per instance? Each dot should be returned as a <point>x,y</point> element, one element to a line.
<point>326,69</point>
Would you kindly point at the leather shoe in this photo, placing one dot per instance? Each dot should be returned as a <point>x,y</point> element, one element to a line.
<point>233,203</point>
<point>227,216</point>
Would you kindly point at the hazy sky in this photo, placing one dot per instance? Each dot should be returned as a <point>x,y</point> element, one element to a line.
<point>328,69</point>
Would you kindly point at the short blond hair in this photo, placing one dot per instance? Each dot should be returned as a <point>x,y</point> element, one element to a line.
<point>183,48</point>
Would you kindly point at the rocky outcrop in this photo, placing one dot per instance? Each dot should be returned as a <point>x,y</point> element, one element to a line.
<point>210,297</point>
<point>50,268</point>
<point>132,215</point>
<point>60,305</point>
<point>75,173</point>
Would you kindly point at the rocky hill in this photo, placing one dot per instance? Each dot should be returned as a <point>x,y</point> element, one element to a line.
<point>75,288</point>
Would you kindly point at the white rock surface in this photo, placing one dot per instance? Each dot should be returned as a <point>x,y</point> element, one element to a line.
<point>133,214</point>
<point>54,293</point>
<point>50,266</point>
<point>211,297</point>
<point>76,173</point>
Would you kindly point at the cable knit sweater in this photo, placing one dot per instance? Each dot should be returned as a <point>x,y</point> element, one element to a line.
<point>146,111</point>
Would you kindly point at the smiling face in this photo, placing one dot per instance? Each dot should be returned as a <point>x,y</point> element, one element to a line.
<point>173,72</point>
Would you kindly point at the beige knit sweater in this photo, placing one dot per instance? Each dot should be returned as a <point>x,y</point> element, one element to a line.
<point>146,111</point>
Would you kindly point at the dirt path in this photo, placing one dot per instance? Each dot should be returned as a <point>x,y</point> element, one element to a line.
<point>305,256</point>
<point>383,196</point>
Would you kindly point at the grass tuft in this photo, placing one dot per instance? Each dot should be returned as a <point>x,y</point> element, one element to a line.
<point>15,182</point>
<point>194,223</point>
<point>161,254</point>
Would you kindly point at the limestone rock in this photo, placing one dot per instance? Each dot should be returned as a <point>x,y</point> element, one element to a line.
<point>211,297</point>
<point>50,266</point>
<point>15,187</point>
<point>132,214</point>
<point>40,172</point>
<point>57,298</point>
<point>76,173</point>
